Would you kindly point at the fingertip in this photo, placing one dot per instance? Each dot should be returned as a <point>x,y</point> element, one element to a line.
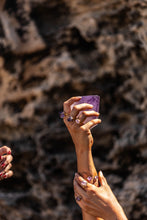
<point>100,173</point>
<point>101,178</point>
<point>76,175</point>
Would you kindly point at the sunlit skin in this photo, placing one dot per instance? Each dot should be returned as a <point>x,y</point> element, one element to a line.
<point>5,163</point>
<point>83,141</point>
<point>98,201</point>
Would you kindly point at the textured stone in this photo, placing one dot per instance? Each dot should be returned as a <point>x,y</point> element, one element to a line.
<point>50,51</point>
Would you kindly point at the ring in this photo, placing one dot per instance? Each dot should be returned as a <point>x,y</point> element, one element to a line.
<point>89,178</point>
<point>70,118</point>
<point>84,184</point>
<point>63,114</point>
<point>77,121</point>
<point>78,198</point>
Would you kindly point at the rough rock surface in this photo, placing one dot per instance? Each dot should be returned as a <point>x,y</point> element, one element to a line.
<point>49,51</point>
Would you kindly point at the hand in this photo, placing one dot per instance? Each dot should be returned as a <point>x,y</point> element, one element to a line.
<point>97,201</point>
<point>5,162</point>
<point>80,133</point>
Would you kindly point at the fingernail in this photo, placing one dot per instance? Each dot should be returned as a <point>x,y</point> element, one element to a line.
<point>1,174</point>
<point>9,152</point>
<point>0,157</point>
<point>3,165</point>
<point>76,174</point>
<point>101,173</point>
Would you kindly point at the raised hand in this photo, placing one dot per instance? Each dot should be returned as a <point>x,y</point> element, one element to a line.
<point>5,162</point>
<point>80,132</point>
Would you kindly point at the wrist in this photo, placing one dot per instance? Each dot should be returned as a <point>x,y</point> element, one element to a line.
<point>82,150</point>
<point>118,213</point>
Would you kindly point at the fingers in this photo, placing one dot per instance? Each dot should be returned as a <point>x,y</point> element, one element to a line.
<point>5,150</point>
<point>78,189</point>
<point>77,108</point>
<point>102,179</point>
<point>5,160</point>
<point>83,184</point>
<point>69,102</point>
<point>6,175</point>
<point>91,123</point>
<point>86,114</point>
<point>8,167</point>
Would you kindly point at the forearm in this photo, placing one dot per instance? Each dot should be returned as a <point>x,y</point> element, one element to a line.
<point>85,164</point>
<point>119,213</point>
<point>86,167</point>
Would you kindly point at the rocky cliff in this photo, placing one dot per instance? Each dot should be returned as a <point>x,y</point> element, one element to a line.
<point>50,51</point>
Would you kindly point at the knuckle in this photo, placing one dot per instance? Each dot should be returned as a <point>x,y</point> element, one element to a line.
<point>83,129</point>
<point>93,121</point>
<point>92,191</point>
<point>10,165</point>
<point>86,199</point>
<point>75,108</point>
<point>64,104</point>
<point>84,113</point>
<point>85,206</point>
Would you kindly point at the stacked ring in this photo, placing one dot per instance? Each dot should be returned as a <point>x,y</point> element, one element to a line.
<point>63,114</point>
<point>78,121</point>
<point>70,118</point>
<point>78,198</point>
<point>84,184</point>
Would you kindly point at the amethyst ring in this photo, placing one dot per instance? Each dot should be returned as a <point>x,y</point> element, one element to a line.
<point>70,118</point>
<point>63,114</point>
<point>78,121</point>
<point>84,184</point>
<point>78,198</point>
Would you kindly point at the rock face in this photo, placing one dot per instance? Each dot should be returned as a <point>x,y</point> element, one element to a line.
<point>50,51</point>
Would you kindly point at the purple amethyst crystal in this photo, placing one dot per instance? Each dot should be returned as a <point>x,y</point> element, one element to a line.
<point>89,178</point>
<point>90,99</point>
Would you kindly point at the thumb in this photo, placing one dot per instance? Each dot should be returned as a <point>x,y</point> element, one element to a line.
<point>102,179</point>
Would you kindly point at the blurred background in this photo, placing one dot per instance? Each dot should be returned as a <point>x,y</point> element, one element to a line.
<point>50,51</point>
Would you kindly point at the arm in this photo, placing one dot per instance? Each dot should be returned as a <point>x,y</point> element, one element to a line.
<point>83,141</point>
<point>98,201</point>
<point>85,167</point>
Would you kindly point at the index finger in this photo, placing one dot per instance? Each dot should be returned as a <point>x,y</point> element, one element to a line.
<point>69,102</point>
<point>82,182</point>
<point>5,150</point>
